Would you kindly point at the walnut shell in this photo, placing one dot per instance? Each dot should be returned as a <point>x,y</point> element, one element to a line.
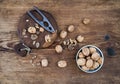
<point>95,56</point>
<point>92,50</point>
<point>80,38</point>
<point>89,63</point>
<point>81,61</point>
<point>71,28</point>
<point>85,51</point>
<point>58,48</point>
<point>81,55</point>
<point>44,62</point>
<point>62,63</point>
<point>63,34</point>
<point>32,30</point>
<point>85,68</point>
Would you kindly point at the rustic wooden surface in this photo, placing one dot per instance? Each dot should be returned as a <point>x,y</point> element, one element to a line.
<point>105,19</point>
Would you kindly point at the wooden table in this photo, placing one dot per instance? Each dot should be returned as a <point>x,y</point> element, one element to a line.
<point>105,19</point>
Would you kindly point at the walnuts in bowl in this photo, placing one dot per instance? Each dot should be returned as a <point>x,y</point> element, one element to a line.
<point>89,59</point>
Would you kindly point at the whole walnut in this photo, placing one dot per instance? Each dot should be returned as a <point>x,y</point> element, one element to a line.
<point>81,55</point>
<point>71,28</point>
<point>63,34</point>
<point>58,48</point>
<point>62,63</point>
<point>95,56</point>
<point>85,51</point>
<point>80,38</point>
<point>92,50</point>
<point>81,61</point>
<point>85,68</point>
<point>44,62</point>
<point>89,63</point>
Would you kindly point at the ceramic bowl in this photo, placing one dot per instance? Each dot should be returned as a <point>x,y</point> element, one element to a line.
<point>98,51</point>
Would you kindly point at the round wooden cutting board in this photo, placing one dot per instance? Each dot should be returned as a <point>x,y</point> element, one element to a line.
<point>36,40</point>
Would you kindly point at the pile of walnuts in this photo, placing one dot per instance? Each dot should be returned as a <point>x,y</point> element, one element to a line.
<point>89,59</point>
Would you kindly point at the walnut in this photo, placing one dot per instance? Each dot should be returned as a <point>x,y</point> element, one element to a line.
<point>44,62</point>
<point>95,65</point>
<point>95,56</point>
<point>32,30</point>
<point>89,63</point>
<point>81,61</point>
<point>100,60</point>
<point>41,29</point>
<point>85,68</point>
<point>71,28</point>
<point>80,38</point>
<point>85,51</point>
<point>81,55</point>
<point>47,38</point>
<point>58,48</point>
<point>36,25</point>
<point>86,21</point>
<point>92,50</point>
<point>62,63</point>
<point>34,36</point>
<point>63,34</point>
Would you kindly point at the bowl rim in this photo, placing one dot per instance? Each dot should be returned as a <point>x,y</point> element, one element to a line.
<point>100,54</point>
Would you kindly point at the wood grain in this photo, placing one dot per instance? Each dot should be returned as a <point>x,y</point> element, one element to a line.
<point>105,19</point>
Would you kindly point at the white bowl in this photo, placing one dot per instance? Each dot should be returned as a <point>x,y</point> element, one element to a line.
<point>98,50</point>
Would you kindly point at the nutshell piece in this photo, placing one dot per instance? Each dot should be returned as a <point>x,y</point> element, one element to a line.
<point>80,38</point>
<point>81,61</point>
<point>34,36</point>
<point>36,25</point>
<point>95,56</point>
<point>58,48</point>
<point>32,30</point>
<point>27,20</point>
<point>41,29</point>
<point>63,34</point>
<point>71,28</point>
<point>44,62</point>
<point>89,63</point>
<point>85,51</point>
<point>92,50</point>
<point>86,21</point>
<point>62,63</point>
<point>24,32</point>
<point>37,45</point>
<point>100,60</point>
